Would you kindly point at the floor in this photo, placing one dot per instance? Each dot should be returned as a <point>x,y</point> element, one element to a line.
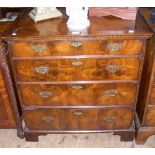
<point>8,139</point>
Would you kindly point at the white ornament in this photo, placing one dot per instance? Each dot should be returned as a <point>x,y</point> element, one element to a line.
<point>78,18</point>
<point>42,13</point>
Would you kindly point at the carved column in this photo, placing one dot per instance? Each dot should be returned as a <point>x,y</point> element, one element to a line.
<point>6,73</point>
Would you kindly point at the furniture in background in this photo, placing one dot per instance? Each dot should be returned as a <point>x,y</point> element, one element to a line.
<point>145,120</point>
<point>10,115</point>
<point>127,13</point>
<point>6,115</point>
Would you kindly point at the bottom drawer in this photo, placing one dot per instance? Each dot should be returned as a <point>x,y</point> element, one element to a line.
<point>78,119</point>
<point>150,117</point>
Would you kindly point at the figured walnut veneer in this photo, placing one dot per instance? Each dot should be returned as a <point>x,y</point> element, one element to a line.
<point>77,83</point>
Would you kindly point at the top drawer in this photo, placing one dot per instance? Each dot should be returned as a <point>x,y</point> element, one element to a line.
<point>68,48</point>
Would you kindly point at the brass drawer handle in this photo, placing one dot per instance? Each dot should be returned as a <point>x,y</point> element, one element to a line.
<point>39,48</point>
<point>76,44</point>
<point>77,63</point>
<point>77,87</point>
<point>114,47</point>
<point>111,92</point>
<point>47,119</point>
<point>45,94</point>
<point>113,68</point>
<point>41,70</point>
<point>78,113</point>
<point>109,118</point>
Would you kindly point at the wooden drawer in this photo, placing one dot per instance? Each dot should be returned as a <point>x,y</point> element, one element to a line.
<point>150,117</point>
<point>78,69</point>
<point>78,119</point>
<point>78,95</point>
<point>65,48</point>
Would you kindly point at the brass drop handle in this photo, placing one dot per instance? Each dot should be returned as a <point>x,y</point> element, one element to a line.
<point>41,69</point>
<point>114,47</point>
<point>76,44</point>
<point>78,113</point>
<point>113,68</point>
<point>77,63</point>
<point>47,119</point>
<point>77,87</point>
<point>111,93</point>
<point>45,94</point>
<point>109,118</point>
<point>39,48</point>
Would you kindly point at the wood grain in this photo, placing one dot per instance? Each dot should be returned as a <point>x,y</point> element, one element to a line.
<point>64,48</point>
<point>145,121</point>
<point>90,69</point>
<point>66,66</point>
<point>10,89</point>
<point>6,115</point>
<point>67,95</point>
<point>152,97</point>
<point>78,119</point>
<point>100,27</point>
<point>150,117</point>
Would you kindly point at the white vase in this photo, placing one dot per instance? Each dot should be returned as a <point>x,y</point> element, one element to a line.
<point>78,18</point>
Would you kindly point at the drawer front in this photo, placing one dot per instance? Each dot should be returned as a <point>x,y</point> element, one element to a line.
<point>78,94</point>
<point>150,117</point>
<point>78,119</point>
<point>65,48</point>
<point>152,98</point>
<point>78,69</point>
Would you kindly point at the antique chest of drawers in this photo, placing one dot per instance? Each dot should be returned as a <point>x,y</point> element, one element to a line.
<point>145,120</point>
<point>77,83</point>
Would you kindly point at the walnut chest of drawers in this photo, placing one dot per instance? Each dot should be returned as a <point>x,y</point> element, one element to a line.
<point>145,120</point>
<point>77,83</point>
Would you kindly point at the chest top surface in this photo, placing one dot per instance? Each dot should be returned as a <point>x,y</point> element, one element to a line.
<point>4,26</point>
<point>100,27</point>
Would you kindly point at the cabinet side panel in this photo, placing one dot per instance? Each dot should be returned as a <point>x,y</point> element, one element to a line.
<point>146,80</point>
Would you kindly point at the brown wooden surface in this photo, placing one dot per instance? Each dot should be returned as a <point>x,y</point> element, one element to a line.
<point>146,113</point>
<point>64,48</point>
<point>100,27</point>
<point>146,81</point>
<point>86,95</point>
<point>152,98</point>
<point>147,75</point>
<point>90,69</point>
<point>10,89</point>
<point>150,117</point>
<point>6,115</point>
<point>3,114</point>
<point>4,26</point>
<point>78,119</point>
<point>88,63</point>
<point>142,132</point>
